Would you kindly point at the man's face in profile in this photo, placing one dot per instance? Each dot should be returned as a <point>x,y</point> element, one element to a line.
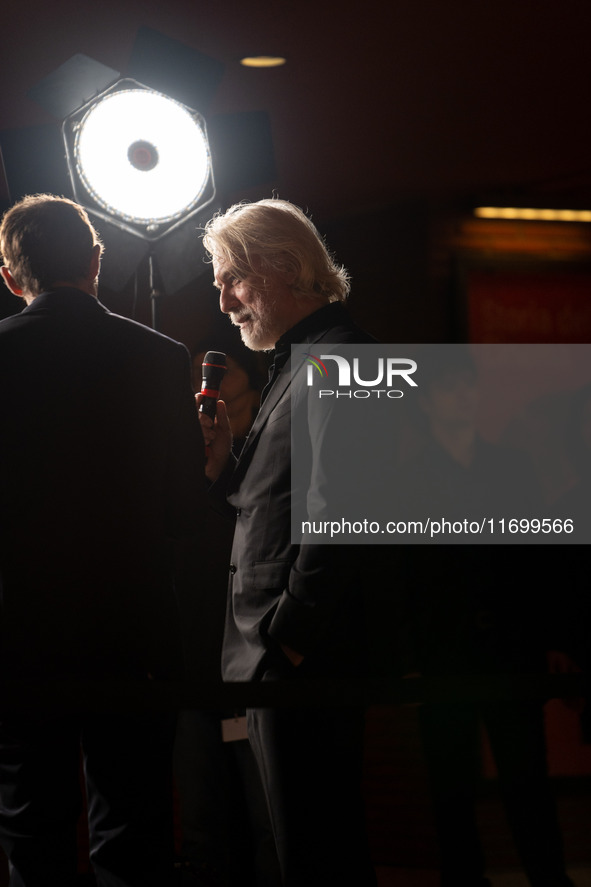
<point>259,313</point>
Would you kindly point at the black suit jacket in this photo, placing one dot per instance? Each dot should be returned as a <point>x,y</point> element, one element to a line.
<point>307,597</point>
<point>101,466</point>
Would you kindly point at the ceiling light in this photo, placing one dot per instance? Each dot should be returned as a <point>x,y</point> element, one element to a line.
<point>262,61</point>
<point>530,214</point>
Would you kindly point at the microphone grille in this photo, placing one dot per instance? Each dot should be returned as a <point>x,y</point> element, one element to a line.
<point>215,358</point>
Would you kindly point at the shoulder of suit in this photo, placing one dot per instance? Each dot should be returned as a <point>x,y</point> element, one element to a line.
<point>347,334</point>
<point>340,329</point>
<point>72,306</point>
<point>142,332</point>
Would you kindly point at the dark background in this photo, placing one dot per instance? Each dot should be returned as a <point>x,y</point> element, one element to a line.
<point>389,123</point>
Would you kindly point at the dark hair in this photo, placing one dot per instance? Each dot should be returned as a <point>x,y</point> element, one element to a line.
<point>45,239</point>
<point>435,362</point>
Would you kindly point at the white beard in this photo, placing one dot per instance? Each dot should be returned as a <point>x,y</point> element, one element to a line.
<point>259,332</point>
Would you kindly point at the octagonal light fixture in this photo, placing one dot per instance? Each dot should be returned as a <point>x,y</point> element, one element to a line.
<point>139,159</point>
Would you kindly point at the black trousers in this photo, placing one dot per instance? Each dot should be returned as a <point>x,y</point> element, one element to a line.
<point>223,811</point>
<point>451,740</point>
<point>127,765</point>
<point>310,761</point>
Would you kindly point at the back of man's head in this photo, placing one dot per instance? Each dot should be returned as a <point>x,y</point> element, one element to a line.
<point>45,240</point>
<point>275,237</point>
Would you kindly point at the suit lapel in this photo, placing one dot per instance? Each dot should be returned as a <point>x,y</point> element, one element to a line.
<point>276,394</point>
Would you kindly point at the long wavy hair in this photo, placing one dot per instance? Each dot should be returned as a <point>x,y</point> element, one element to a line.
<point>273,237</point>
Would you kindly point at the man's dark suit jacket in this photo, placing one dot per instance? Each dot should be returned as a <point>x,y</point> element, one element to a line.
<point>306,597</point>
<point>101,465</point>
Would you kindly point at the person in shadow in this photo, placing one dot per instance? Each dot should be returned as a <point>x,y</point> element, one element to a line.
<point>101,469</point>
<point>573,619</point>
<point>476,611</point>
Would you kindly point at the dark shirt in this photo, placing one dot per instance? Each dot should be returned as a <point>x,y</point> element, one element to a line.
<point>329,315</point>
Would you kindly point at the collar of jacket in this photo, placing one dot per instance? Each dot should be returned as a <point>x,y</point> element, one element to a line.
<point>309,330</point>
<point>64,299</point>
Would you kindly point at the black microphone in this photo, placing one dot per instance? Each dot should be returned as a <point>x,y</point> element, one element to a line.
<point>212,372</point>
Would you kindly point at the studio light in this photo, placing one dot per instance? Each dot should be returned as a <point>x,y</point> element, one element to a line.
<point>134,150</point>
<point>139,158</point>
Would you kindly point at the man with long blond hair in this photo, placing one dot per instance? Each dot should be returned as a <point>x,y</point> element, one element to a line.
<point>295,613</point>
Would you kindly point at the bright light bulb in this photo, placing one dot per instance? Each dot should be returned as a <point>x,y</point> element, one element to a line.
<point>142,156</point>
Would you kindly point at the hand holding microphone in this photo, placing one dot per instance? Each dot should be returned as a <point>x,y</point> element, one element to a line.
<point>212,413</point>
<point>213,371</point>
